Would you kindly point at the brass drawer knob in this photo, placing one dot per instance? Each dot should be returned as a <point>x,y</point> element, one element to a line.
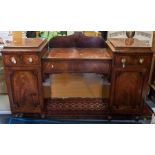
<point>123,60</point>
<point>52,66</point>
<point>13,60</point>
<point>141,60</point>
<point>30,60</point>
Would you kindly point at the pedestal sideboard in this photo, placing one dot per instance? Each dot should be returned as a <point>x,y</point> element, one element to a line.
<point>125,64</point>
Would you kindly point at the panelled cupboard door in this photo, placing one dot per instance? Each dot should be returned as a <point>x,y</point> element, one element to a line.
<point>23,87</point>
<point>127,91</point>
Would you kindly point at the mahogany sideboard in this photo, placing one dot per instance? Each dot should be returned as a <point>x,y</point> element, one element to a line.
<point>124,62</point>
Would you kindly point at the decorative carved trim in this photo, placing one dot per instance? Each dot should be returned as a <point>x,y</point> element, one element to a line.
<point>76,106</point>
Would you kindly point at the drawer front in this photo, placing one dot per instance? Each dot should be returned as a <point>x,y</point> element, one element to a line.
<point>140,60</point>
<point>21,60</point>
<point>12,60</point>
<point>76,66</point>
<point>30,59</point>
<point>61,66</point>
<point>91,66</point>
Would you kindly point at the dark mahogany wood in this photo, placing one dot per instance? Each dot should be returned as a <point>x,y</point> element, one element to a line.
<point>77,40</point>
<point>130,73</point>
<point>79,53</point>
<point>128,43</point>
<point>22,62</point>
<point>77,107</point>
<point>74,60</point>
<point>133,60</point>
<point>127,91</point>
<point>24,90</point>
<point>152,82</point>
<point>126,64</point>
<point>77,66</point>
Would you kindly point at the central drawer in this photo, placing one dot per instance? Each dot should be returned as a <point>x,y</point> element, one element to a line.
<point>82,66</point>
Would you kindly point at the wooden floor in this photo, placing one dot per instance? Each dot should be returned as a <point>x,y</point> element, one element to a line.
<point>76,85</point>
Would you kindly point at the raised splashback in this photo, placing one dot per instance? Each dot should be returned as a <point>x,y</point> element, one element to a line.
<point>78,39</point>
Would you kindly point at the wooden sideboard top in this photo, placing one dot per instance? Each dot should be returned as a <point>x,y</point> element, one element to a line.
<point>27,44</point>
<point>124,42</point>
<point>78,53</point>
<point>128,45</point>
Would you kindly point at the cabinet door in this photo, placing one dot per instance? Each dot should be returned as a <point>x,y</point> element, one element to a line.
<point>127,91</point>
<point>24,90</point>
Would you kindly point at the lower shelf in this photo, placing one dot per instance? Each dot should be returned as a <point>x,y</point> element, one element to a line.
<point>91,108</point>
<point>76,107</point>
<point>83,108</point>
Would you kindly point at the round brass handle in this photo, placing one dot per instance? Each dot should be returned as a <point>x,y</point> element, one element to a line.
<point>123,60</point>
<point>13,60</point>
<point>141,60</point>
<point>52,66</point>
<point>30,60</point>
